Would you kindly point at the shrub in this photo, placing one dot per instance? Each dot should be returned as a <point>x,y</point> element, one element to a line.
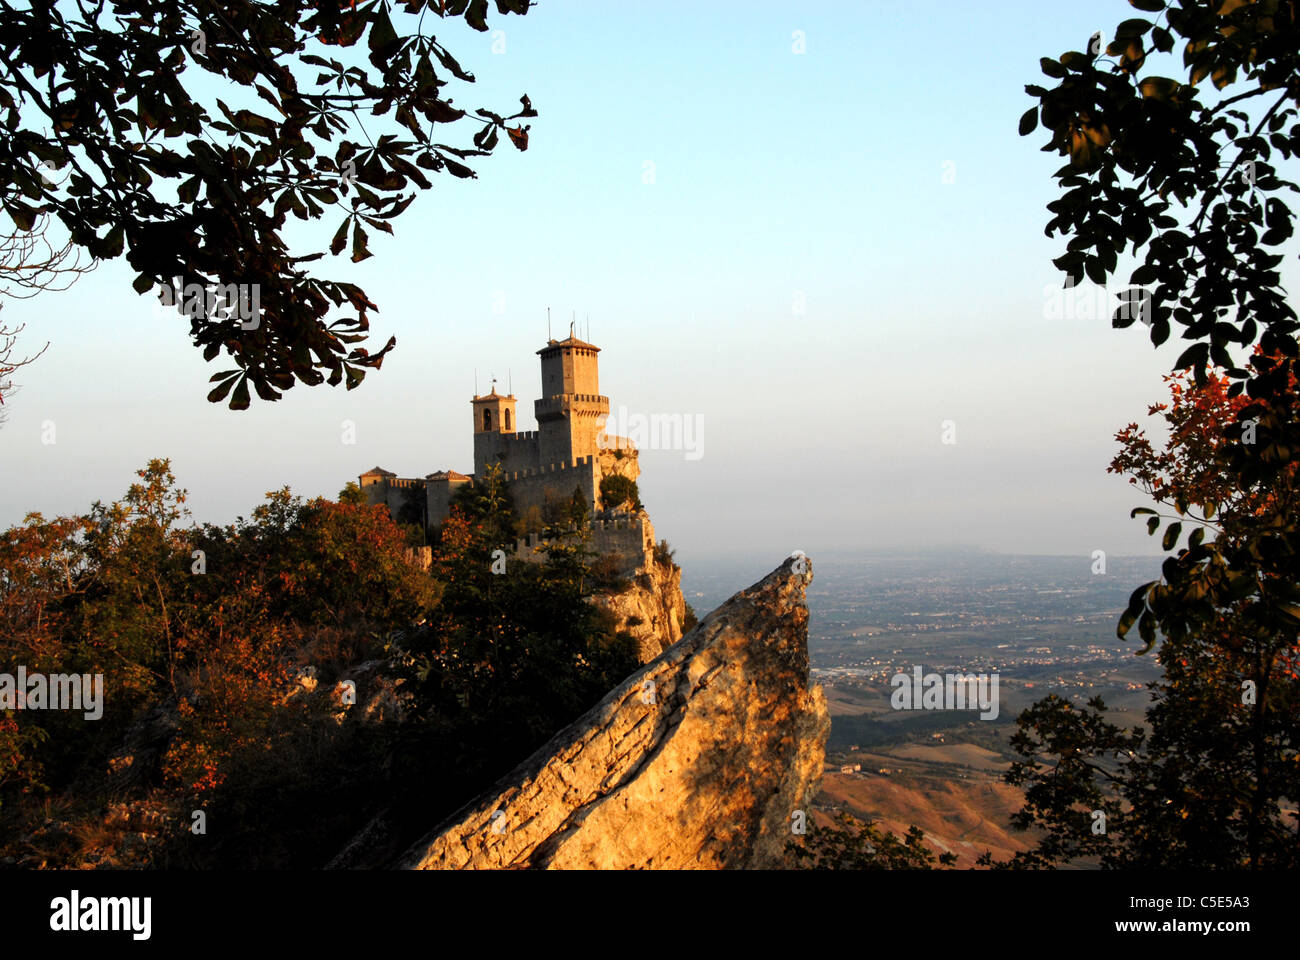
<point>616,490</point>
<point>691,621</point>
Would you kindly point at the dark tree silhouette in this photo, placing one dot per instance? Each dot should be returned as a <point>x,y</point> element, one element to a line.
<point>182,134</point>
<point>1191,177</point>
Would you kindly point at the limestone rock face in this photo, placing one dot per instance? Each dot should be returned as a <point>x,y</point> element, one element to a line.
<point>652,608</point>
<point>698,760</point>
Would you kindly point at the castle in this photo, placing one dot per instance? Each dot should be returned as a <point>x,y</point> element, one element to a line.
<point>569,452</point>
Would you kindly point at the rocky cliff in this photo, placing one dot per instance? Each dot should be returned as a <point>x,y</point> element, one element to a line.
<point>647,601</point>
<point>651,607</point>
<point>699,759</point>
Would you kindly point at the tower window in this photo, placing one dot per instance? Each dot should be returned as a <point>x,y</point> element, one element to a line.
<point>505,415</point>
<point>487,419</point>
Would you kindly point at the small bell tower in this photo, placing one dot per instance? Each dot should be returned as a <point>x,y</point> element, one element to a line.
<point>494,417</point>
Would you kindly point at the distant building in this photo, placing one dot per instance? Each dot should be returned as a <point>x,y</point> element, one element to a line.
<point>569,452</point>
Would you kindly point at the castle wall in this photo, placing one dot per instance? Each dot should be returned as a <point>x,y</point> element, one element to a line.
<point>570,426</point>
<point>439,493</point>
<point>530,488</point>
<point>554,445</point>
<point>586,426</point>
<point>634,539</point>
<point>515,452</point>
<point>404,498</point>
<point>568,451</point>
<point>375,490</point>
<point>631,537</point>
<point>421,557</point>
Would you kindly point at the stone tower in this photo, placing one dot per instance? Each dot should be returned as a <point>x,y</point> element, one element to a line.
<point>494,422</point>
<point>571,410</point>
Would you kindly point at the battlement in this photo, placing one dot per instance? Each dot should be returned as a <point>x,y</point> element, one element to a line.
<point>553,468</point>
<point>421,557</point>
<point>630,537</point>
<point>561,462</point>
<point>556,403</point>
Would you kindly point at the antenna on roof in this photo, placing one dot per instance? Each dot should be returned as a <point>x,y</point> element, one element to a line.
<point>548,324</point>
<point>511,375</point>
<point>476,381</point>
<point>589,328</point>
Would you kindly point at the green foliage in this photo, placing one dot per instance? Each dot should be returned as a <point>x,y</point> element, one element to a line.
<point>616,490</point>
<point>1195,184</point>
<point>504,662</point>
<point>607,573</point>
<point>665,555</point>
<point>1206,787</point>
<point>411,513</point>
<point>108,96</point>
<point>530,520</point>
<point>487,500</point>
<point>207,628</point>
<point>1207,782</point>
<point>691,621</point>
<point>578,510</point>
<point>854,845</point>
<point>189,622</point>
<point>352,495</point>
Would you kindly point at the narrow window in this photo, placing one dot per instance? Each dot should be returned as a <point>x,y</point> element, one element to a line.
<point>506,421</point>
<point>487,419</point>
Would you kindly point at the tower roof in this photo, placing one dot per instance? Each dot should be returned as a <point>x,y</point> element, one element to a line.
<point>446,475</point>
<point>378,472</point>
<point>493,396</point>
<point>569,341</point>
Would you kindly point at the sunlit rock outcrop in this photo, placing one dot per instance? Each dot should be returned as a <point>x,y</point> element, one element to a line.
<point>698,760</point>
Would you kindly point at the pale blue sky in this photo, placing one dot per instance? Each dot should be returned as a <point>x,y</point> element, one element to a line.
<point>774,174</point>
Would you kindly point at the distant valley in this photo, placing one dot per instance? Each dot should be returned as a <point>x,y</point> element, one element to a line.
<point>1043,624</point>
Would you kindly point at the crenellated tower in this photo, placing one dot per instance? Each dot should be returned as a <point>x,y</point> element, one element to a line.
<point>571,410</point>
<point>565,457</point>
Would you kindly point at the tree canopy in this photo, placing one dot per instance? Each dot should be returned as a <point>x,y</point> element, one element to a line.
<point>1207,781</point>
<point>1194,183</point>
<point>1183,168</point>
<point>183,134</point>
<point>223,649</point>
